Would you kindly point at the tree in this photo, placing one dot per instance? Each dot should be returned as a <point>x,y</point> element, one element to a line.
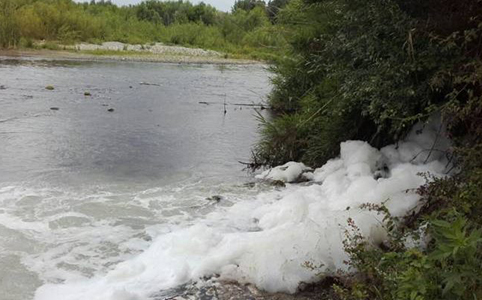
<point>248,5</point>
<point>273,8</point>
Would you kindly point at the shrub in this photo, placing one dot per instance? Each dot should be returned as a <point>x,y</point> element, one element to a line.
<point>375,68</point>
<point>449,268</point>
<point>9,31</point>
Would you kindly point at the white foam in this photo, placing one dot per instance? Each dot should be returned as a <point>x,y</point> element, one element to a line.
<point>267,239</point>
<point>289,172</point>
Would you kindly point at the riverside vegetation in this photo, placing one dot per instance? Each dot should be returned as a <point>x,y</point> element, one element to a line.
<point>345,69</point>
<point>369,70</point>
<point>250,30</point>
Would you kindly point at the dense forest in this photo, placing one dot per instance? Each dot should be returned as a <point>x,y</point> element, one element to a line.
<point>250,28</point>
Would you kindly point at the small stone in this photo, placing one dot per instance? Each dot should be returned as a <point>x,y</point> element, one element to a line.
<point>254,291</point>
<point>49,87</point>
<point>215,198</point>
<point>110,110</point>
<point>278,183</point>
<point>250,184</point>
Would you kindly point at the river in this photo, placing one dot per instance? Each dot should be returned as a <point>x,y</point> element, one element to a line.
<point>84,188</point>
<point>122,181</point>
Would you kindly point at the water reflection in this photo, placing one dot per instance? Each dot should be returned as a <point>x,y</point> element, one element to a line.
<point>158,128</point>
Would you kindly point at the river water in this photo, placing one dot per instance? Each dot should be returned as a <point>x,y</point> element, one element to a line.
<point>83,189</point>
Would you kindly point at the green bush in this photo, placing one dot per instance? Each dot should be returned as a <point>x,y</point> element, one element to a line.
<point>451,209</point>
<point>243,33</point>
<point>448,268</point>
<point>193,34</point>
<point>369,70</point>
<point>9,30</point>
<point>374,68</point>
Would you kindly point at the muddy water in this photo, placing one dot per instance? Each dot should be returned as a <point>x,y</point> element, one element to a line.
<point>83,188</point>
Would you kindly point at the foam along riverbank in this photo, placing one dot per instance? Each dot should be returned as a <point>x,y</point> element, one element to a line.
<point>268,240</point>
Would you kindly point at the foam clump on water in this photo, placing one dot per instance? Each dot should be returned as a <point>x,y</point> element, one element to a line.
<point>289,172</point>
<point>269,239</point>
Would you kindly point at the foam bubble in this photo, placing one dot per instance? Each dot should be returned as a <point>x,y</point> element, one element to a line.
<point>269,238</point>
<point>289,172</point>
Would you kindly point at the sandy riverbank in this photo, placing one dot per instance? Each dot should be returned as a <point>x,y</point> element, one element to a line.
<point>164,57</point>
<point>153,48</point>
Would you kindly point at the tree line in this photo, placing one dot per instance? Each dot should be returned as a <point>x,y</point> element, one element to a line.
<point>249,27</point>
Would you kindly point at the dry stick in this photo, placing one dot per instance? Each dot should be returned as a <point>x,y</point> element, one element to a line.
<point>410,49</point>
<point>425,150</point>
<point>440,127</point>
<point>317,112</point>
<point>448,163</point>
<point>434,142</point>
<point>375,135</point>
<point>451,168</point>
<point>257,94</point>
<point>248,104</point>
<point>236,104</point>
<point>225,104</point>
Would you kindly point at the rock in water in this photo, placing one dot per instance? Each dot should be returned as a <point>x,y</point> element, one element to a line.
<point>278,183</point>
<point>215,198</point>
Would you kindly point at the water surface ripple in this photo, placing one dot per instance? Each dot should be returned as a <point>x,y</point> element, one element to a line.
<point>83,188</point>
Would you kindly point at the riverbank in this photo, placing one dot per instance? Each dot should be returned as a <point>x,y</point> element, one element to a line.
<point>227,290</point>
<point>182,57</point>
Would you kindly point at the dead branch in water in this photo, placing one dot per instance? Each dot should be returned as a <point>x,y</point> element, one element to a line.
<point>261,106</point>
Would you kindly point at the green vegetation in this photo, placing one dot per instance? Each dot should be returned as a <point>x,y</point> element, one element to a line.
<point>249,30</point>
<point>365,70</point>
<point>369,70</point>
<point>9,30</point>
<point>449,267</point>
<point>346,69</point>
